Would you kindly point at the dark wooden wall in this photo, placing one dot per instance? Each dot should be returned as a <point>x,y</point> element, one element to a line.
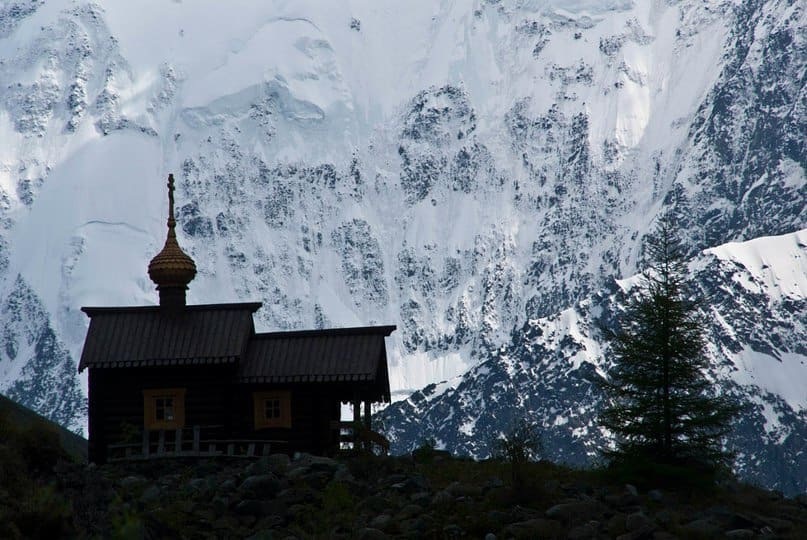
<point>313,407</point>
<point>212,398</point>
<point>116,398</point>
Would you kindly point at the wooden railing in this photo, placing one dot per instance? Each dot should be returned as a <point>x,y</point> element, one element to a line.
<point>357,435</point>
<point>174,443</point>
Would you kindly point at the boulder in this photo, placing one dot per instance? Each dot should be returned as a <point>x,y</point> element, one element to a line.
<point>704,527</point>
<point>150,495</point>
<point>740,533</point>
<point>409,511</point>
<point>198,485</point>
<point>375,504</point>
<point>421,498</point>
<point>278,463</point>
<point>371,534</point>
<point>259,467</point>
<point>616,524</point>
<point>227,485</point>
<point>442,498</point>
<point>381,522</point>
<point>133,482</point>
<point>533,528</point>
<point>263,535</point>
<point>249,507</point>
<point>262,486</point>
<point>583,532</point>
<point>639,522</point>
<point>343,474</point>
<point>452,530</point>
<point>576,511</point>
<point>460,489</point>
<point>297,495</point>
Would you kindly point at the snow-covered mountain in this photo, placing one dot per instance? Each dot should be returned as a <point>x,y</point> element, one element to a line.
<point>460,168</point>
<point>754,298</point>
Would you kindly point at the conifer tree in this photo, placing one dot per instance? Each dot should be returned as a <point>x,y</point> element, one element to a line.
<point>660,406</point>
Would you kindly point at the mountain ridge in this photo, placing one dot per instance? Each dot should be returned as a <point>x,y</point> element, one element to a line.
<point>455,168</point>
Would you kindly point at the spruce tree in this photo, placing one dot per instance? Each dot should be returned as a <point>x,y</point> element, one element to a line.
<point>659,404</point>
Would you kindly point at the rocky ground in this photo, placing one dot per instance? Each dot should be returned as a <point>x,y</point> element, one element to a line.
<point>435,496</point>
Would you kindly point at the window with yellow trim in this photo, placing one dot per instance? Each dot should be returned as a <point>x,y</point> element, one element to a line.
<point>164,408</point>
<point>272,409</point>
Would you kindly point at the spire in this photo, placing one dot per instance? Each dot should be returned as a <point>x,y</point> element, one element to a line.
<point>172,269</point>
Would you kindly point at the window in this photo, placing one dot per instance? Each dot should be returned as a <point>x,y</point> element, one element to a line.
<point>272,409</point>
<point>164,408</point>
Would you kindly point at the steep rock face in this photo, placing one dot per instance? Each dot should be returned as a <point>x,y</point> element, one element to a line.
<point>456,168</point>
<point>37,369</point>
<point>755,298</point>
<point>749,134</point>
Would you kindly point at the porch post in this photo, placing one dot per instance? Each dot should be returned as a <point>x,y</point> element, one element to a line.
<point>356,410</point>
<point>368,422</point>
<point>356,422</point>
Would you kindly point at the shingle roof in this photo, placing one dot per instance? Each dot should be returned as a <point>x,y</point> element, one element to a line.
<point>333,355</point>
<point>148,336</point>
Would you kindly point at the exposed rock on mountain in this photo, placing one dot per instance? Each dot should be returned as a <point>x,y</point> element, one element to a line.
<point>460,169</point>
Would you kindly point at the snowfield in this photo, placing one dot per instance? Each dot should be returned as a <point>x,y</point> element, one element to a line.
<point>461,169</point>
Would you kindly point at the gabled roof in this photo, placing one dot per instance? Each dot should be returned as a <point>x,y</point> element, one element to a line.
<point>333,355</point>
<point>150,336</point>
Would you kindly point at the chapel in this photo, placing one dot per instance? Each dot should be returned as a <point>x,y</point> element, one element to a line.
<point>196,380</point>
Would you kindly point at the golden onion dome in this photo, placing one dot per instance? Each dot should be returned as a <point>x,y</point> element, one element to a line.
<point>171,267</point>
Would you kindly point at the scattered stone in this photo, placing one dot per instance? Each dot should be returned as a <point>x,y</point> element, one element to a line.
<point>227,485</point>
<point>494,483</point>
<point>263,535</point>
<point>219,505</point>
<point>421,498</point>
<point>150,495</point>
<point>199,485</point>
<point>459,489</point>
<point>259,467</point>
<point>394,500</point>
<point>666,517</point>
<point>261,486</point>
<point>533,528</point>
<point>639,522</point>
<point>344,475</point>
<point>442,498</point>
<point>297,495</point>
<point>372,534</point>
<point>583,532</point>
<point>616,524</point>
<point>298,471</point>
<point>133,482</point>
<point>278,463</point>
<point>777,524</point>
<point>740,533</point>
<point>409,511</point>
<point>381,522</point>
<point>375,503</point>
<point>705,527</point>
<point>249,507</point>
<point>576,511</point>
